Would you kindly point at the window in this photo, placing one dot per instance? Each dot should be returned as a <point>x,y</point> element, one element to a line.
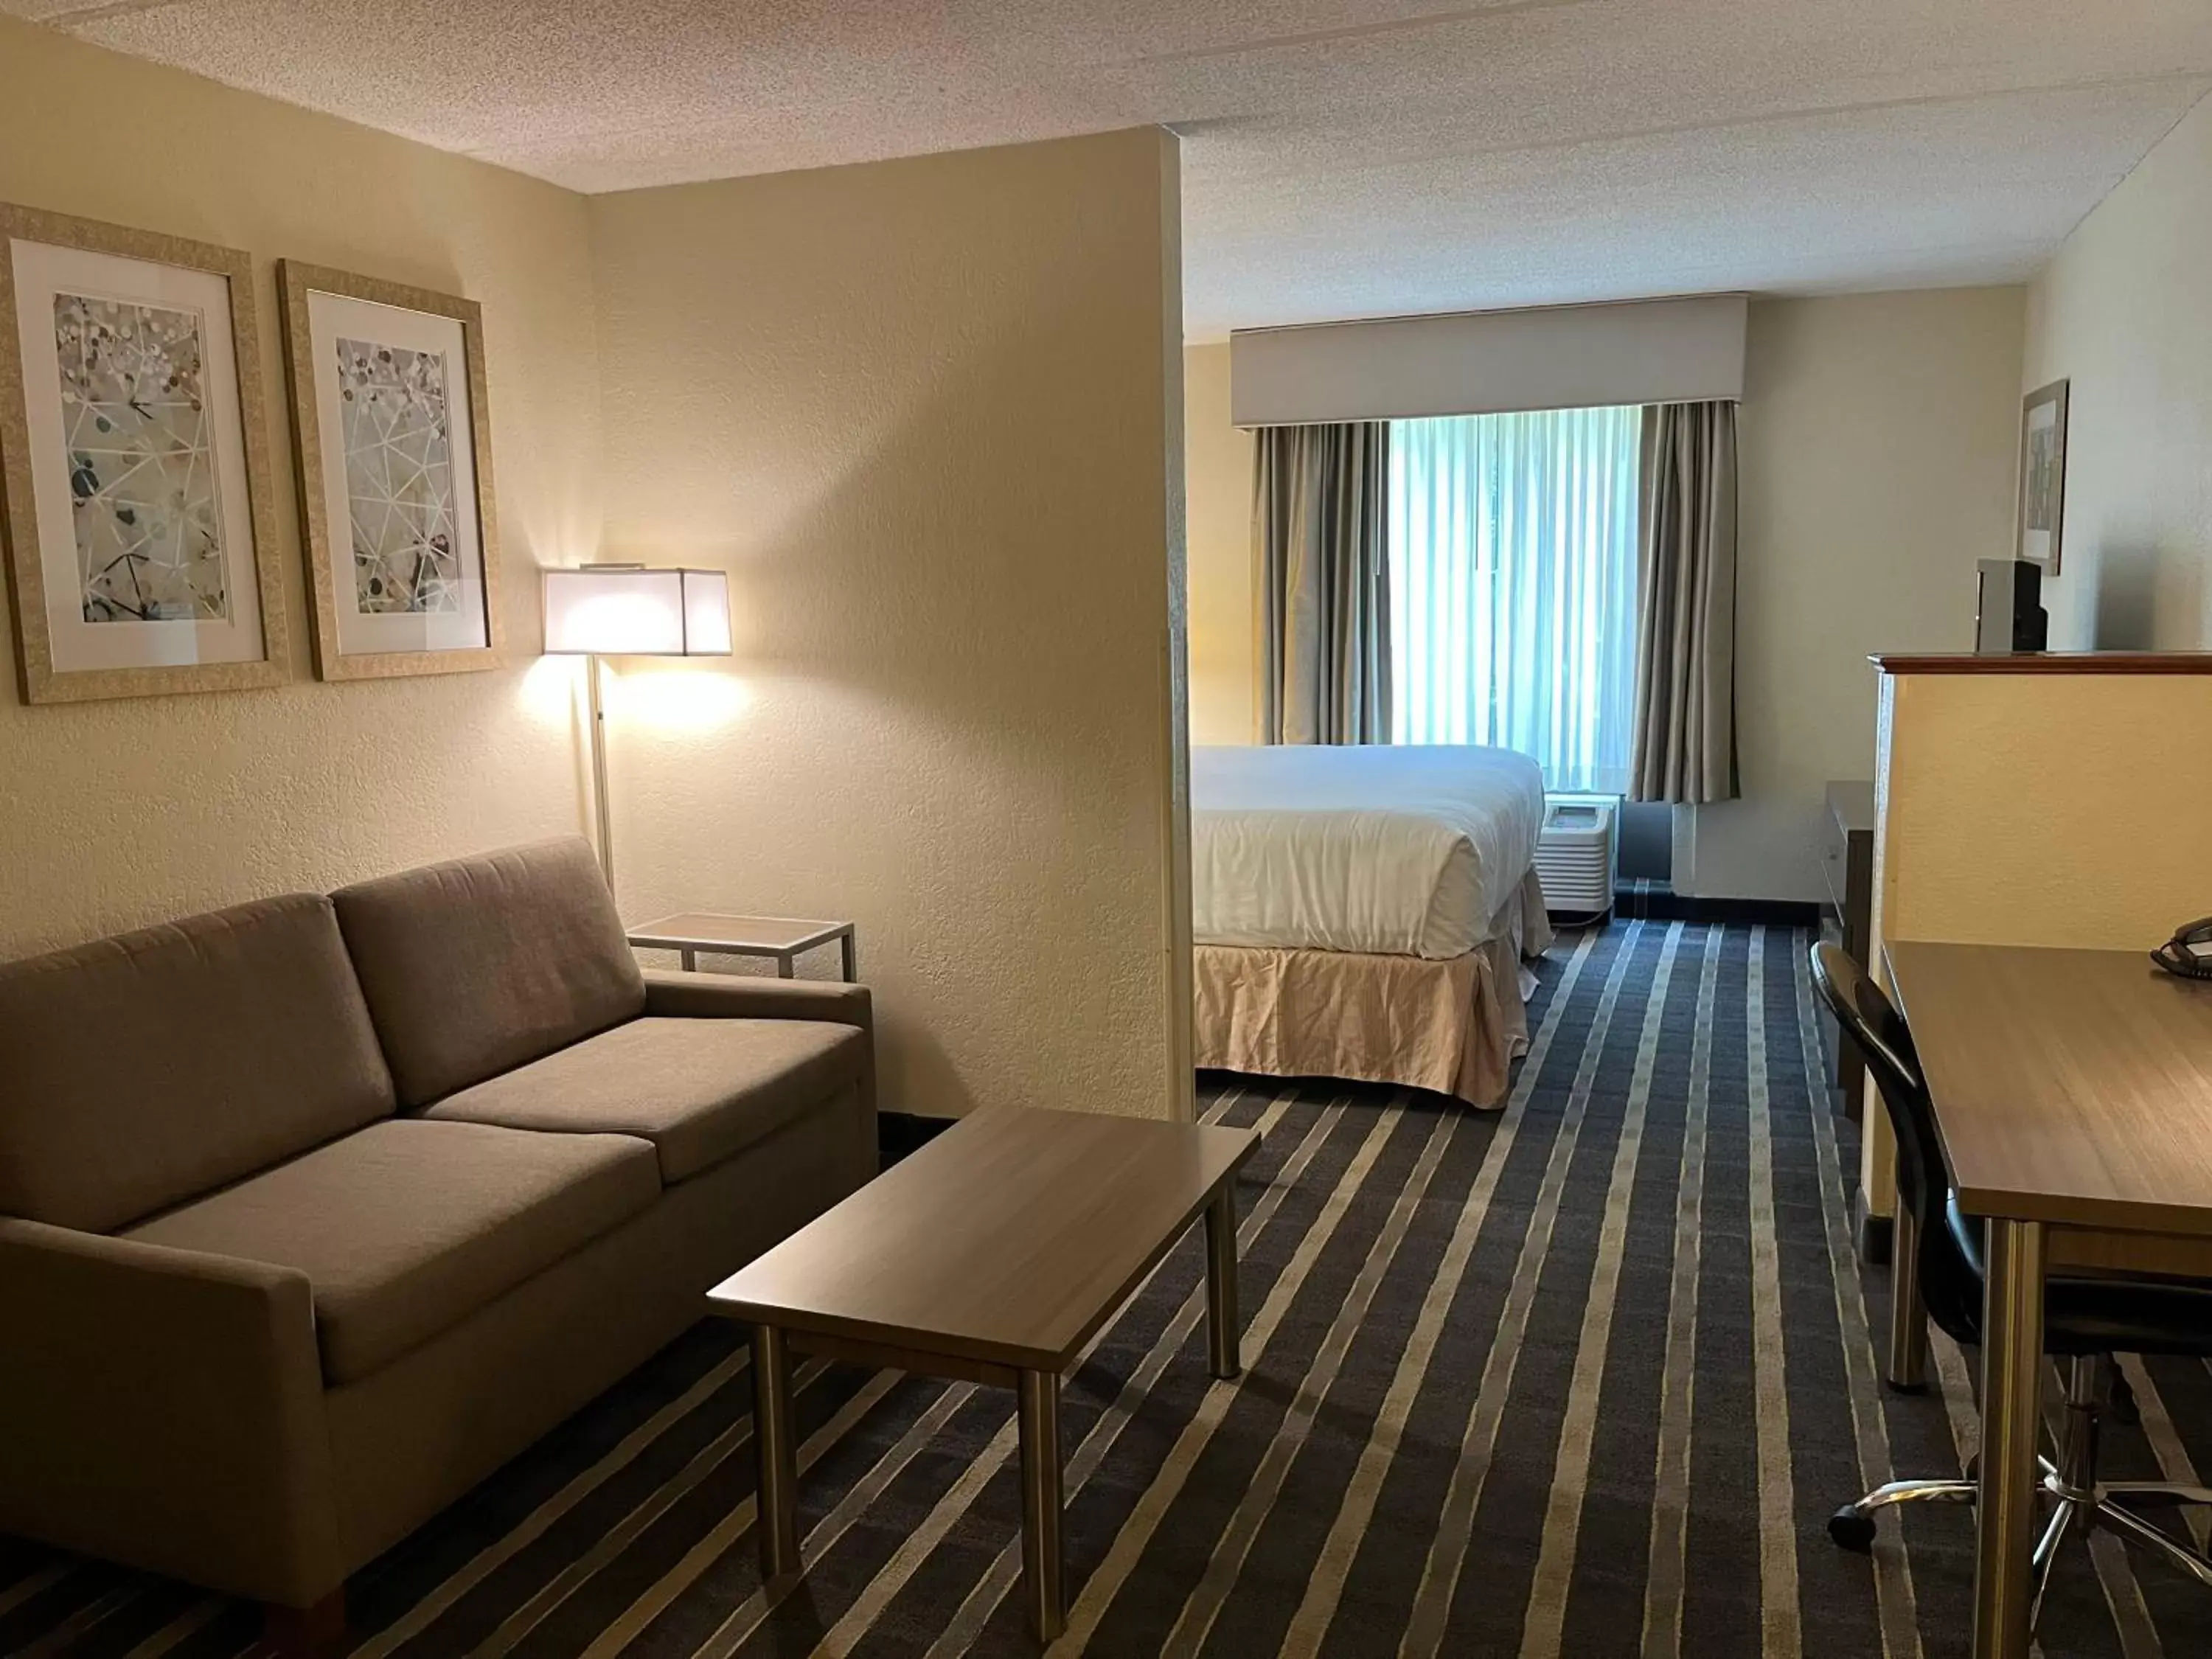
<point>1512,543</point>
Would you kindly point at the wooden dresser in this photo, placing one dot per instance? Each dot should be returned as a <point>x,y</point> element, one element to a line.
<point>1846,916</point>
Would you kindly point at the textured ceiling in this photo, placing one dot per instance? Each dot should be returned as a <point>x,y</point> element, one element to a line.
<point>1342,157</point>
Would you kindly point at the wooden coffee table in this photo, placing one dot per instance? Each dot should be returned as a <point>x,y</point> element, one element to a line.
<point>993,1255</point>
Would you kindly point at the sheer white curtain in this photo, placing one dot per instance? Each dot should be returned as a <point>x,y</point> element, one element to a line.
<point>1512,544</point>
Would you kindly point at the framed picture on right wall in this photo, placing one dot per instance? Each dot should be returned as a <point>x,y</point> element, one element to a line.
<point>2042,475</point>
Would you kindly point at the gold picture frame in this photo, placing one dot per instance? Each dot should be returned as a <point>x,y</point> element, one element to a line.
<point>72,642</point>
<point>356,637</point>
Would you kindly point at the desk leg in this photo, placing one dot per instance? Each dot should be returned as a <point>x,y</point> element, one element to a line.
<point>688,960</point>
<point>849,950</point>
<point>1041,1503</point>
<point>1223,1326</point>
<point>2012,1402</point>
<point>786,965</point>
<point>776,1454</point>
<point>1908,1316</point>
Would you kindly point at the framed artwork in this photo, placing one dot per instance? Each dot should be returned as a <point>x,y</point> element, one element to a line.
<point>392,430</point>
<point>2042,475</point>
<point>134,464</point>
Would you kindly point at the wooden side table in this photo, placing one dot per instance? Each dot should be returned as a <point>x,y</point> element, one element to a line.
<point>780,938</point>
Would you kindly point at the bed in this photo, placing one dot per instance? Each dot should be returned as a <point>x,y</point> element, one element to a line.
<point>1365,911</point>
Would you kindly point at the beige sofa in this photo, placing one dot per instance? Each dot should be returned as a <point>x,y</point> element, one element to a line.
<point>318,1209</point>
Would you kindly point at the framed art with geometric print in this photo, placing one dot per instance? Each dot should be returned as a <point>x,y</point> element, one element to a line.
<point>135,487</point>
<point>392,428</point>
<point>2042,475</point>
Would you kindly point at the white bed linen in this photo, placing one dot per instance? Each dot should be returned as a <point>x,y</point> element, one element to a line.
<point>1411,851</point>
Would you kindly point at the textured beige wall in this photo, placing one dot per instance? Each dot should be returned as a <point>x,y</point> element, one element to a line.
<point>116,814</point>
<point>1876,446</point>
<point>929,415</point>
<point>2124,311</point>
<point>1218,480</point>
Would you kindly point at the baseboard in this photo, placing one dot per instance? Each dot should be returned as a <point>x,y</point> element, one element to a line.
<point>1647,900</point>
<point>899,1133</point>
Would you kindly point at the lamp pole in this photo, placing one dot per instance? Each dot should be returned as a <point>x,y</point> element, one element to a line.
<point>594,667</point>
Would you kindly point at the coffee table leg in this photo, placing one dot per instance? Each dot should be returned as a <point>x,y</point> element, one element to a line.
<point>1223,1328</point>
<point>777,1453</point>
<point>1041,1504</point>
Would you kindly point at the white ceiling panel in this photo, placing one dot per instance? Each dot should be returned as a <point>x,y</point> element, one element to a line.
<point>1342,157</point>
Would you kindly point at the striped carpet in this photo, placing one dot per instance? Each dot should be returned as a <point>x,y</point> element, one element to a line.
<point>1584,1378</point>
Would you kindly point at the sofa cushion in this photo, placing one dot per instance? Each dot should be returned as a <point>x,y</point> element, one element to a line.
<point>406,1228</point>
<point>477,966</point>
<point>699,1090</point>
<point>140,1071</point>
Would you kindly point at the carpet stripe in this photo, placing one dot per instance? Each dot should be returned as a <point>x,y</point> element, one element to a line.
<point>188,1624</point>
<point>998,1579</point>
<point>32,1583</point>
<point>1545,1613</point>
<point>611,1544</point>
<point>1662,1603</point>
<point>1204,1605</point>
<point>1325,1584</point>
<point>1424,1631</point>
<point>2175,1463</point>
<point>1097,1594</point>
<point>434,1606</point>
<point>1777,1500</point>
<point>618,1636</point>
<point>2108,1554</point>
<point>848,1510</point>
<point>78,1624</point>
<point>1895,1603</point>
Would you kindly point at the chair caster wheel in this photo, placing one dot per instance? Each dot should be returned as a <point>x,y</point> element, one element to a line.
<point>1851,1530</point>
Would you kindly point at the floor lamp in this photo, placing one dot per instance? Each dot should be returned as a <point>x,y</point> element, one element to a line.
<point>602,611</point>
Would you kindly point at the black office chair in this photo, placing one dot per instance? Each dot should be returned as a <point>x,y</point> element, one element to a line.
<point>2084,1320</point>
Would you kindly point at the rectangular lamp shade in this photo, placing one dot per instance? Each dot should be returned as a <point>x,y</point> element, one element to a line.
<point>629,610</point>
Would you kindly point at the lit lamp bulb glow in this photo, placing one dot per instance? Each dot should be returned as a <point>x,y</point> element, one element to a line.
<point>599,611</point>
<point>628,610</point>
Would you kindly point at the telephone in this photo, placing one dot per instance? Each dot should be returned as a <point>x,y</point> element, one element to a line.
<point>2189,952</point>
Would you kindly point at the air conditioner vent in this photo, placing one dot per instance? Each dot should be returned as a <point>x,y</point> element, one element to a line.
<point>1575,854</point>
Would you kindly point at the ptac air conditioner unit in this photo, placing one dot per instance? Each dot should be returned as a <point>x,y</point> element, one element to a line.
<point>1575,854</point>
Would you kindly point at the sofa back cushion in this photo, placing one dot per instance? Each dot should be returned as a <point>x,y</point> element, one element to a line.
<point>141,1070</point>
<point>478,966</point>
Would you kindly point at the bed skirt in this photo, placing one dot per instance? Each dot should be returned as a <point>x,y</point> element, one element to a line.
<point>1454,1026</point>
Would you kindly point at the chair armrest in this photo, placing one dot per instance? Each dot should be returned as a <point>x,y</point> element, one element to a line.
<point>672,995</point>
<point>164,1408</point>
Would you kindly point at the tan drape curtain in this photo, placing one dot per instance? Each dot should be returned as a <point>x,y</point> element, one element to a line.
<point>1685,739</point>
<point>1319,501</point>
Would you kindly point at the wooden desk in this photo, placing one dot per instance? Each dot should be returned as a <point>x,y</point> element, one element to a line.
<point>2073,1090</point>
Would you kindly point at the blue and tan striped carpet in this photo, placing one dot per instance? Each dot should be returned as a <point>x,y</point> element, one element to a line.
<point>1582,1378</point>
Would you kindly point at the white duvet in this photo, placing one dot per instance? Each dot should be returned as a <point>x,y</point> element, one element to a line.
<point>1411,851</point>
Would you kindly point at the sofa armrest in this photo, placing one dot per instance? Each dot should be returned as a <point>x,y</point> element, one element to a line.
<point>164,1408</point>
<point>669,994</point>
<point>672,995</point>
